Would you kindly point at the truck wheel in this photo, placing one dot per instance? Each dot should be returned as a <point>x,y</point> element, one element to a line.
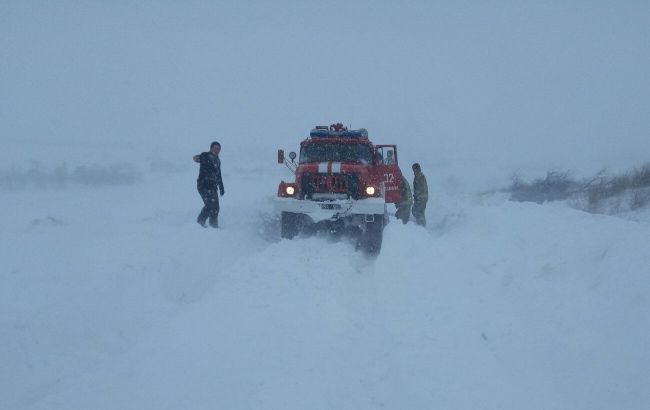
<point>290,225</point>
<point>370,240</point>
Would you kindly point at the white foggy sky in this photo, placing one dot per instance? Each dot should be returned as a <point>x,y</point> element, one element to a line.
<point>552,83</point>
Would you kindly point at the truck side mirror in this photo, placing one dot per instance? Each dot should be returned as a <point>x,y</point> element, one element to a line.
<point>280,156</point>
<point>292,156</point>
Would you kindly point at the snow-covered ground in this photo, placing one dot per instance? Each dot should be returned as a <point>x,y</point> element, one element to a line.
<point>114,298</point>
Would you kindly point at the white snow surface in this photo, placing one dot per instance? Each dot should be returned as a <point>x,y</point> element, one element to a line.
<point>114,298</point>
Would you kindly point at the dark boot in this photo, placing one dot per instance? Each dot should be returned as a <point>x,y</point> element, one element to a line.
<point>203,217</point>
<point>201,220</point>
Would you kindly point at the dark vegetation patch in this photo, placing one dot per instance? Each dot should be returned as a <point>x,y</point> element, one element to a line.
<point>36,175</point>
<point>602,193</point>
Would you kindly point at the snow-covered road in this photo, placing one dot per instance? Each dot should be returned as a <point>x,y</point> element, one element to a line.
<point>114,298</point>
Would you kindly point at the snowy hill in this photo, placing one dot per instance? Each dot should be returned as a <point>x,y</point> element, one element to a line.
<point>114,297</point>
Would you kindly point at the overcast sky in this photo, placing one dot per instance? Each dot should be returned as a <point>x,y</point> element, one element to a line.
<point>550,82</point>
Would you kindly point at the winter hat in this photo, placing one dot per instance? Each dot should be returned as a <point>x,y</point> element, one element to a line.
<point>214,143</point>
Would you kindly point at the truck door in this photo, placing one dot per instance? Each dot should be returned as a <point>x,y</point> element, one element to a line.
<point>389,172</point>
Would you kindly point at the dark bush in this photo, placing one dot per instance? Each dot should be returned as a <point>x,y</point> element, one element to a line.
<point>602,194</point>
<point>554,187</point>
<point>37,176</point>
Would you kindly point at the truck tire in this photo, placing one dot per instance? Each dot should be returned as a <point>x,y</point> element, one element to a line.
<point>289,225</point>
<point>371,239</point>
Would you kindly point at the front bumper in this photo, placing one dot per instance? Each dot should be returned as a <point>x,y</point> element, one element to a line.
<point>332,209</point>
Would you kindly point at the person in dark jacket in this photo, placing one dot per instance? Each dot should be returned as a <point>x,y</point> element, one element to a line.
<point>420,195</point>
<point>208,183</point>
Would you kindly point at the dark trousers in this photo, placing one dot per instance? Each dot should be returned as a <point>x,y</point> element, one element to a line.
<point>210,195</point>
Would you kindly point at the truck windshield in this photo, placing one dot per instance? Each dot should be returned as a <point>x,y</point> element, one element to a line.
<point>336,152</point>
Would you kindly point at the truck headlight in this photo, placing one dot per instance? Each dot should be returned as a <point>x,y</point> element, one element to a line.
<point>290,190</point>
<point>370,190</point>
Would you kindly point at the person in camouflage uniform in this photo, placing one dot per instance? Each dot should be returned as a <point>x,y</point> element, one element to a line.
<point>406,201</point>
<point>420,195</point>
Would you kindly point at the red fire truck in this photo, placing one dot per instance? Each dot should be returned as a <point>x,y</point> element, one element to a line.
<point>342,183</point>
